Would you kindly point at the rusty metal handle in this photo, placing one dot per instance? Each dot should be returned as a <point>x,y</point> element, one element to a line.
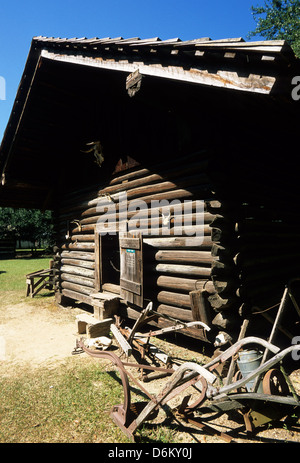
<point>117,362</point>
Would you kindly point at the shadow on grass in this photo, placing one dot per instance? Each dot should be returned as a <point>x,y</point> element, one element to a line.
<point>44,295</point>
<point>29,256</point>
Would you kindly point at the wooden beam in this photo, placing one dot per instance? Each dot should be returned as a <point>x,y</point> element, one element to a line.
<point>197,75</point>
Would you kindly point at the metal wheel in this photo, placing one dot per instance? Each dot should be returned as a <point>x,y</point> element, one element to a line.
<point>201,398</point>
<point>274,383</point>
<point>238,375</point>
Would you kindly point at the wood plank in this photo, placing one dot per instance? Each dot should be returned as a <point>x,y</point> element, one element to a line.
<point>131,270</point>
<point>130,243</point>
<point>131,286</point>
<point>127,349</point>
<point>98,262</point>
<point>200,308</point>
<point>224,79</point>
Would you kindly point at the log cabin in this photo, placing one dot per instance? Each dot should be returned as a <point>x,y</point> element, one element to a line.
<point>158,125</point>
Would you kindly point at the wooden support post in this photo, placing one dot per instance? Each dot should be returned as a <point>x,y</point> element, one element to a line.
<point>200,310</point>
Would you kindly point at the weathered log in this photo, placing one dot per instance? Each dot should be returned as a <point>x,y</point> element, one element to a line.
<point>184,284</point>
<point>227,320</point>
<point>173,207</point>
<point>175,312</point>
<point>164,190</point>
<point>221,270</point>
<point>77,280</point>
<point>79,246</point>
<point>77,271</point>
<point>133,227</point>
<point>220,236</point>
<point>127,177</point>
<point>179,242</point>
<point>224,253</point>
<point>180,194</point>
<point>78,255</point>
<point>146,177</point>
<point>76,296</point>
<point>78,263</point>
<point>219,303</point>
<point>174,299</point>
<point>225,286</point>
<point>84,228</point>
<point>150,218</point>
<point>145,187</point>
<point>199,257</point>
<point>85,238</point>
<point>206,217</point>
<point>80,289</point>
<point>183,270</point>
<point>228,208</point>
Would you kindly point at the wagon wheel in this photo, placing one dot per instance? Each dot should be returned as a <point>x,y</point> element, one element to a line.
<point>238,375</point>
<point>274,383</point>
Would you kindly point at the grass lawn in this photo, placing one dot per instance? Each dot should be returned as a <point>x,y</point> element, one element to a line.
<point>65,404</point>
<point>13,272</point>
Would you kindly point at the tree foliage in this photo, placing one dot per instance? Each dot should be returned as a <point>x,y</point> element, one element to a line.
<point>278,20</point>
<point>26,224</point>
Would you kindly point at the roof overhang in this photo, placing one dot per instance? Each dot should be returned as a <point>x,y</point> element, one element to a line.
<point>44,113</point>
<point>195,74</point>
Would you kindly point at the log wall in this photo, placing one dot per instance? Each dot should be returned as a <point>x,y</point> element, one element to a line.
<point>174,266</point>
<point>246,255</point>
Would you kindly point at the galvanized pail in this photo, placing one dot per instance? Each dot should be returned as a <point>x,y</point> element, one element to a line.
<point>248,361</point>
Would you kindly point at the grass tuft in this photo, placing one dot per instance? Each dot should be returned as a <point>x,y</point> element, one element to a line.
<point>60,406</point>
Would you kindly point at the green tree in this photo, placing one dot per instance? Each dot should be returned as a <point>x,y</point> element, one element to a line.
<point>26,224</point>
<point>278,20</point>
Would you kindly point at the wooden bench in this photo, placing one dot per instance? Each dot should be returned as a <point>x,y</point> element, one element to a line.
<point>36,281</point>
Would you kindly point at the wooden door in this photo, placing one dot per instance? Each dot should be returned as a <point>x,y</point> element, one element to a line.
<point>131,268</point>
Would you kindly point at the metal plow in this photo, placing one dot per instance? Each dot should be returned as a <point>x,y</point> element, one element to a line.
<point>212,394</point>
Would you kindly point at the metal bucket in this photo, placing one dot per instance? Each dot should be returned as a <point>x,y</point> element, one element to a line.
<point>248,361</point>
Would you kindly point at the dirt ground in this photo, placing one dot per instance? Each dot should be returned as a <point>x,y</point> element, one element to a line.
<point>43,335</point>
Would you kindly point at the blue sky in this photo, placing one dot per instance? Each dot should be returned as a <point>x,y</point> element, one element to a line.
<point>188,19</point>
